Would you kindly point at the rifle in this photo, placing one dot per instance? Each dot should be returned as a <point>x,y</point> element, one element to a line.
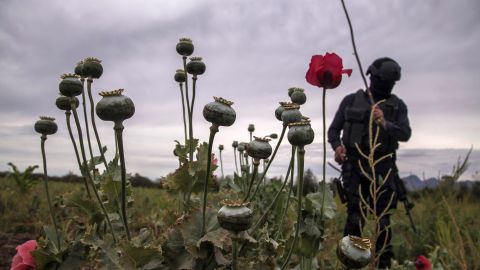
<point>402,196</point>
<point>338,184</point>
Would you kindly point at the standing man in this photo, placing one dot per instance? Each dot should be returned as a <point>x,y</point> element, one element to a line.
<point>350,127</point>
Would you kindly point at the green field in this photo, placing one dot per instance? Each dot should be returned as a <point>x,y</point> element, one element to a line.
<point>446,218</point>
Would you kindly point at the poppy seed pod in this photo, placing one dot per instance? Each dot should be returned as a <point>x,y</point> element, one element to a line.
<point>220,112</point>
<point>70,85</point>
<point>235,144</point>
<point>114,106</point>
<point>291,114</point>
<point>291,90</point>
<point>63,103</point>
<point>92,67</point>
<point>259,148</point>
<point>241,147</point>
<point>180,76</point>
<point>300,133</point>
<point>185,47</point>
<point>220,147</point>
<point>196,66</point>
<point>46,125</point>
<point>235,216</point>
<point>298,96</point>
<point>279,110</point>
<point>79,69</point>
<point>354,252</point>
<point>251,128</point>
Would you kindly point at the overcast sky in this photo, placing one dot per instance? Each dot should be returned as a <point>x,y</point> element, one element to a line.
<point>254,51</point>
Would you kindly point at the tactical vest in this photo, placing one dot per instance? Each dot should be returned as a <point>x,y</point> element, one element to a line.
<point>355,128</point>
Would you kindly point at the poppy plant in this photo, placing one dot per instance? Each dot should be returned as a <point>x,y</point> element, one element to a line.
<point>326,71</point>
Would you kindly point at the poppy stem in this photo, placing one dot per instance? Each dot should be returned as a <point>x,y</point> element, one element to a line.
<point>270,207</point>
<point>324,150</point>
<point>118,133</point>
<point>255,162</point>
<point>235,157</point>
<point>92,116</point>
<point>67,114</point>
<point>45,181</point>
<point>87,129</point>
<point>86,170</point>
<point>189,111</point>
<point>183,110</point>
<point>213,131</point>
<point>300,157</point>
<point>285,210</point>
<point>221,163</point>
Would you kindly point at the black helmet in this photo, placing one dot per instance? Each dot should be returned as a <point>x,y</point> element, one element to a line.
<point>385,68</point>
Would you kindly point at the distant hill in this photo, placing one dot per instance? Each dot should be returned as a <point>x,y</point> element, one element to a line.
<point>413,183</point>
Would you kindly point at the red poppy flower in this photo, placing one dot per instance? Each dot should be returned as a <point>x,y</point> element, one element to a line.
<point>422,263</point>
<point>326,71</point>
<point>23,260</point>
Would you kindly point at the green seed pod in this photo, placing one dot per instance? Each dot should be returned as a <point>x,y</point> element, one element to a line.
<point>220,112</point>
<point>300,133</point>
<point>298,96</point>
<point>79,69</point>
<point>114,106</point>
<point>259,148</point>
<point>180,76</point>
<point>235,144</point>
<point>354,252</point>
<point>46,125</point>
<point>92,67</point>
<point>70,85</point>
<point>241,147</point>
<point>63,103</point>
<point>291,114</point>
<point>235,216</point>
<point>185,47</point>
<point>220,147</point>
<point>251,128</point>
<point>291,90</point>
<point>196,66</point>
<point>279,111</point>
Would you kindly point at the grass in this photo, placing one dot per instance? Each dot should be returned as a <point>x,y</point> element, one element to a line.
<point>447,221</point>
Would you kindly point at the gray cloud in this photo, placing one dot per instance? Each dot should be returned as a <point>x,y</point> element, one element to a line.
<point>254,51</point>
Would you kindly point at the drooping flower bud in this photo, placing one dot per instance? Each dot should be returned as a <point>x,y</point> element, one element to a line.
<point>185,47</point>
<point>92,67</point>
<point>220,112</point>
<point>196,66</point>
<point>298,96</point>
<point>300,133</point>
<point>46,125</point>
<point>354,252</point>
<point>259,148</point>
<point>291,113</point>
<point>70,85</point>
<point>114,106</point>
<point>63,103</point>
<point>273,135</point>
<point>180,76</point>
<point>235,216</point>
